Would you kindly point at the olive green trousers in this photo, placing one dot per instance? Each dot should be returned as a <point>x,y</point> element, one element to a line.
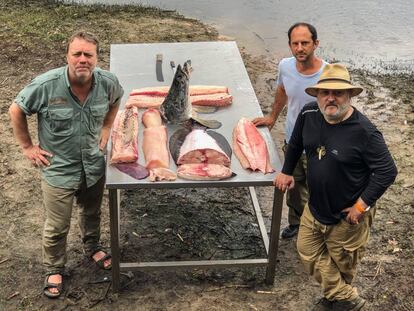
<point>58,203</point>
<point>330,253</point>
<point>297,197</point>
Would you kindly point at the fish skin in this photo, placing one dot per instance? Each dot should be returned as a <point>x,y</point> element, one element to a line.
<point>176,108</point>
<point>176,141</point>
<point>135,170</point>
<point>221,141</point>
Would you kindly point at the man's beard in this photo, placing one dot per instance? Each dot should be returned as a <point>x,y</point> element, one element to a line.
<point>340,113</point>
<point>82,79</point>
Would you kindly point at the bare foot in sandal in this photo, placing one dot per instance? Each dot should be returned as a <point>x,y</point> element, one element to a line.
<point>50,289</point>
<point>98,256</point>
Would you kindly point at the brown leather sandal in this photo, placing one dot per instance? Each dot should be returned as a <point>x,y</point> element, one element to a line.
<point>101,262</point>
<point>48,285</point>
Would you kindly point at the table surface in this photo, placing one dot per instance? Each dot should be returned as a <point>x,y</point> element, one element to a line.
<point>214,63</point>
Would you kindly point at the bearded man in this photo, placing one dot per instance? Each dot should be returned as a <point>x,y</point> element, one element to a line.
<point>75,107</point>
<point>349,168</point>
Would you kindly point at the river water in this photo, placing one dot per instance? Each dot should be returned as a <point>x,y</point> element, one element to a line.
<point>364,33</point>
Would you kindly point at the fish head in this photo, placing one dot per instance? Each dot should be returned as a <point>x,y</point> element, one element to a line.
<point>187,68</point>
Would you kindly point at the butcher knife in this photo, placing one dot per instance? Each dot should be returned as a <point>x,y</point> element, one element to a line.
<point>158,68</point>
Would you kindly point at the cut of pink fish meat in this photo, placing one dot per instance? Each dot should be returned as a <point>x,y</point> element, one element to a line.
<point>250,147</point>
<point>144,101</point>
<point>154,145</point>
<point>193,90</point>
<point>162,173</point>
<point>218,99</point>
<point>200,95</point>
<point>203,171</point>
<point>150,101</point>
<point>199,147</point>
<point>125,136</point>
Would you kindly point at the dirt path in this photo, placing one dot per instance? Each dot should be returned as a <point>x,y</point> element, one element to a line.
<point>221,228</point>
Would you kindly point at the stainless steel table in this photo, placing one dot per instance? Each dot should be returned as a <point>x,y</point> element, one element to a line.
<point>214,63</point>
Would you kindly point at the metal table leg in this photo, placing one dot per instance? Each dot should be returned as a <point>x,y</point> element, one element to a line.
<point>274,235</point>
<point>114,224</point>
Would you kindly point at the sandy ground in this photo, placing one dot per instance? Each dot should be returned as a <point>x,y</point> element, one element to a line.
<point>221,227</point>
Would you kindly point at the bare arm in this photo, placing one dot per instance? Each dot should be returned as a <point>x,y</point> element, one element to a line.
<point>32,152</point>
<point>278,104</point>
<point>106,128</point>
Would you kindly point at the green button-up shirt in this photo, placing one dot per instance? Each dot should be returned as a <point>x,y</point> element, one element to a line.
<point>68,129</point>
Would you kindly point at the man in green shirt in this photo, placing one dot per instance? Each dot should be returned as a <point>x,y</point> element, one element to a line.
<point>75,106</point>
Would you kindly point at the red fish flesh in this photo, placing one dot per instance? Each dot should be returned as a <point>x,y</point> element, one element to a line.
<point>250,147</point>
<point>125,136</point>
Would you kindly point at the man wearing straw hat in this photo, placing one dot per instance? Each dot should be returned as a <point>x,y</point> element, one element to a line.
<point>349,168</point>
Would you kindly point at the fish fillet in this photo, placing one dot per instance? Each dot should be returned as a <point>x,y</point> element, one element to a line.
<point>161,173</point>
<point>193,90</point>
<point>155,148</point>
<point>151,117</point>
<point>250,147</point>
<point>144,101</point>
<point>218,99</point>
<point>203,171</point>
<point>199,147</point>
<point>125,136</point>
<point>149,101</point>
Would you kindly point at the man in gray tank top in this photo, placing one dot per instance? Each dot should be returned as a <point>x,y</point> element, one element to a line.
<point>295,75</point>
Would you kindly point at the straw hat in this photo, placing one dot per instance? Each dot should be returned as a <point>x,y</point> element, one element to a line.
<point>334,77</point>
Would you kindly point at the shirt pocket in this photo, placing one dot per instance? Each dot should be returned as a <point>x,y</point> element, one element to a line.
<point>97,115</point>
<point>61,120</point>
